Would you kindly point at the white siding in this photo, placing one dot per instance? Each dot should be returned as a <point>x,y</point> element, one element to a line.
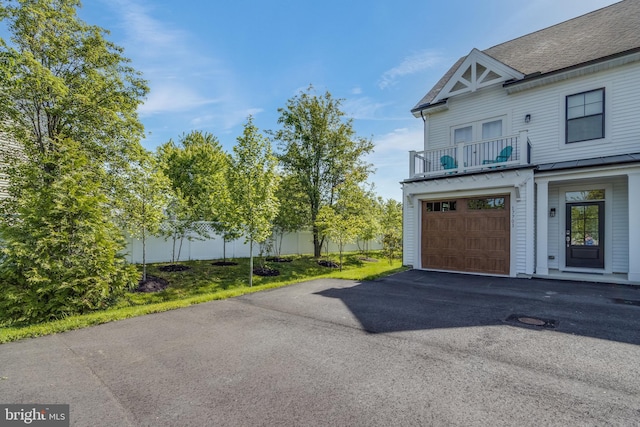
<point>554,233</point>
<point>520,230</point>
<point>620,247</point>
<point>546,106</point>
<point>410,228</point>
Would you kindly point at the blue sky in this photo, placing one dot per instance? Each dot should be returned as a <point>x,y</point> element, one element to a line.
<point>210,64</point>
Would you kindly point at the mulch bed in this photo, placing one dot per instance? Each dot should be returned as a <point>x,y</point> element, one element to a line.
<point>278,259</point>
<point>174,267</point>
<point>329,264</point>
<point>152,284</point>
<point>224,263</point>
<point>266,271</point>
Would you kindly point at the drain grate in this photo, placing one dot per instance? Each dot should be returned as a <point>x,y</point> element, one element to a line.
<point>532,321</point>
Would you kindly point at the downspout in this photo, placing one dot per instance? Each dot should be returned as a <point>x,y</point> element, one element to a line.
<point>426,129</point>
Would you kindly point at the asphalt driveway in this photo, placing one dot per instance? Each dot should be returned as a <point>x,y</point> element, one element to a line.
<point>415,348</point>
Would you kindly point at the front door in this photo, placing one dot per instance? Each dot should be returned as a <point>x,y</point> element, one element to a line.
<point>584,237</point>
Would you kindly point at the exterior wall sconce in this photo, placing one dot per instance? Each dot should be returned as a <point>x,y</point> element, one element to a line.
<point>552,212</point>
<point>527,118</point>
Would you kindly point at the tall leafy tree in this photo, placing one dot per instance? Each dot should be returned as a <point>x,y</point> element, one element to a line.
<point>345,220</point>
<point>253,183</point>
<point>319,149</point>
<point>69,100</point>
<point>62,252</point>
<point>143,203</point>
<point>391,224</point>
<point>292,214</point>
<point>197,169</point>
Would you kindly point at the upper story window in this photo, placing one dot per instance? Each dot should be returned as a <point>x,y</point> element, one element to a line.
<point>585,116</point>
<point>477,131</point>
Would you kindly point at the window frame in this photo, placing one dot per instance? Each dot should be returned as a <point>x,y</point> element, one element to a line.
<point>602,114</point>
<point>476,129</point>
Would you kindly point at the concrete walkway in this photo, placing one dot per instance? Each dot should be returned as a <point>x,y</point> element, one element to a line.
<point>415,348</point>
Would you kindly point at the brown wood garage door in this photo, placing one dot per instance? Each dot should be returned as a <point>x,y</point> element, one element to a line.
<point>469,235</point>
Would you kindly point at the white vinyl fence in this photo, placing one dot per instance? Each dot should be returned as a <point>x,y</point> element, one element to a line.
<point>160,250</point>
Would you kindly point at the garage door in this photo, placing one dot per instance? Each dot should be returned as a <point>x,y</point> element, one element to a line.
<point>467,235</point>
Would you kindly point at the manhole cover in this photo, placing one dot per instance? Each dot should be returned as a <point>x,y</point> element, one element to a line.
<point>531,321</point>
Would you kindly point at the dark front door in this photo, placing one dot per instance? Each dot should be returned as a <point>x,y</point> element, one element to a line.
<point>585,234</point>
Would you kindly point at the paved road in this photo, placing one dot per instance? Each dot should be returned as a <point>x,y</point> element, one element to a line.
<point>416,348</point>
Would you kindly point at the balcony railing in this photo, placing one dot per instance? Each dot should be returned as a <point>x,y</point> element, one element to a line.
<point>471,156</point>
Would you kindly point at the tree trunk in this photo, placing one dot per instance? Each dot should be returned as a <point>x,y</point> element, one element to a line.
<point>224,249</point>
<point>251,263</point>
<point>317,242</point>
<point>144,256</point>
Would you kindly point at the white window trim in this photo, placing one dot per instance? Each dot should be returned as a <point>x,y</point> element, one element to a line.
<point>562,128</point>
<point>477,128</point>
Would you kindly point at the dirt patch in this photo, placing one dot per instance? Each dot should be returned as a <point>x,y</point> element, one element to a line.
<point>266,271</point>
<point>277,259</point>
<point>329,264</point>
<point>152,284</point>
<point>224,263</point>
<point>174,267</point>
<point>367,259</point>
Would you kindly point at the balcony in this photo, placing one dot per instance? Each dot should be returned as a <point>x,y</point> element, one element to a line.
<point>466,157</point>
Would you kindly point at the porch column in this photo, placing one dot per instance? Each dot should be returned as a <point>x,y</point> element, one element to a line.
<point>542,229</point>
<point>634,227</point>
<point>530,206</point>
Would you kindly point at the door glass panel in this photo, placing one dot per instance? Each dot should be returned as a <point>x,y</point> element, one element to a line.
<point>585,227</point>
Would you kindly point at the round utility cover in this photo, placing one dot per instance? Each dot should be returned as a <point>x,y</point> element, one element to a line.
<point>531,321</point>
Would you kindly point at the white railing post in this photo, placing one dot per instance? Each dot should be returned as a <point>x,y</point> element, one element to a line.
<point>412,164</point>
<point>523,147</point>
<point>460,156</point>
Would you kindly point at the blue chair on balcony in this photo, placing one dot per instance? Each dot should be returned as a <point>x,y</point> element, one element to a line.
<point>504,155</point>
<point>448,162</point>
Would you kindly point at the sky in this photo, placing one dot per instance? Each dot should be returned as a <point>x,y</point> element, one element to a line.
<point>211,64</point>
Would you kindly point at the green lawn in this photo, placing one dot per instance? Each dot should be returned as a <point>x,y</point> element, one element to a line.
<point>206,282</point>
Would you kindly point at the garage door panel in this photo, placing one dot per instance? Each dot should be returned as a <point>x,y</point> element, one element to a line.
<point>474,239</point>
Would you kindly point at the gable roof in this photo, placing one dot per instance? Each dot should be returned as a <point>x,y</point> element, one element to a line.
<point>597,35</point>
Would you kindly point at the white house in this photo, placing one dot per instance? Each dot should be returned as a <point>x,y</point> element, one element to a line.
<point>531,157</point>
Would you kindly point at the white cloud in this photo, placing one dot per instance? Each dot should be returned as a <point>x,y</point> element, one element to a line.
<point>363,108</point>
<point>410,65</point>
<point>399,140</point>
<point>169,98</point>
<point>356,90</point>
<point>226,120</point>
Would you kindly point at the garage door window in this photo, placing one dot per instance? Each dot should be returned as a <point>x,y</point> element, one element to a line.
<point>486,203</point>
<point>444,206</point>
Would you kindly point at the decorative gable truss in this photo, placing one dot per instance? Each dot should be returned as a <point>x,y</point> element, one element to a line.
<point>478,70</point>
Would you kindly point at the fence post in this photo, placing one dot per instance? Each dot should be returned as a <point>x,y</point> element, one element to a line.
<point>412,163</point>
<point>522,147</point>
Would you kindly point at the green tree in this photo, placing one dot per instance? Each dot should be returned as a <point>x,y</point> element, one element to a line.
<point>345,219</point>
<point>143,202</point>
<point>69,100</point>
<point>391,223</point>
<point>319,149</point>
<point>292,213</point>
<point>253,182</point>
<point>371,229</point>
<point>197,169</point>
<point>62,252</point>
